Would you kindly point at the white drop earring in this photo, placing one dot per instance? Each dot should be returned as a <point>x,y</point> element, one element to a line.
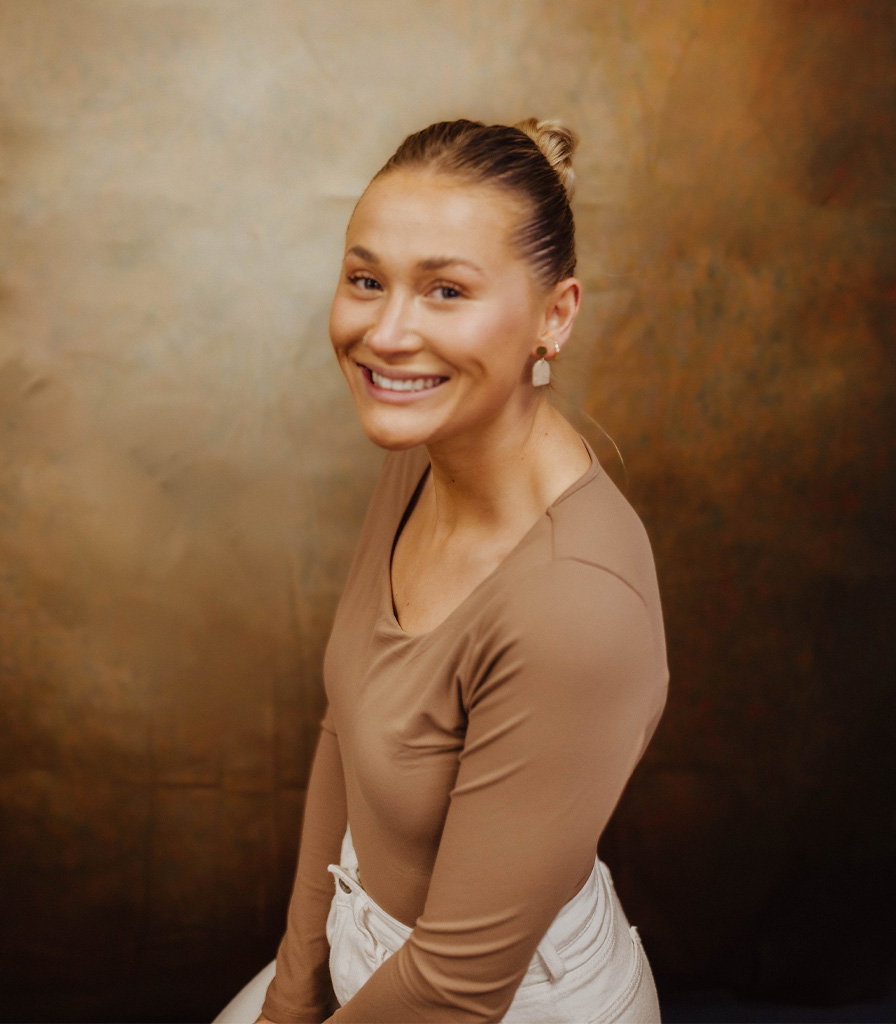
<point>541,368</point>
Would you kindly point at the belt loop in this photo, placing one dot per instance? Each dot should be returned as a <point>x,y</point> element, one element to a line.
<point>551,959</point>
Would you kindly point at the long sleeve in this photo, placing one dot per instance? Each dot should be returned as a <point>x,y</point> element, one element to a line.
<point>567,686</point>
<point>301,989</point>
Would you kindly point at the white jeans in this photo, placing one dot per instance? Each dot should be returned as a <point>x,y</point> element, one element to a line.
<point>588,968</point>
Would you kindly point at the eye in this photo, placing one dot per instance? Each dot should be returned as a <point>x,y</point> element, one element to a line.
<point>364,282</point>
<point>447,291</point>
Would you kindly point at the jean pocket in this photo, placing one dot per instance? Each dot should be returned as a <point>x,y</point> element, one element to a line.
<point>636,1002</point>
<point>613,985</point>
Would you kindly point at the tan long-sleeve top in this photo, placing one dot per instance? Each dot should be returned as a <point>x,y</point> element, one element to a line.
<point>477,763</point>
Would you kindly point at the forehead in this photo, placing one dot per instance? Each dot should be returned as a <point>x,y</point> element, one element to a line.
<point>421,212</point>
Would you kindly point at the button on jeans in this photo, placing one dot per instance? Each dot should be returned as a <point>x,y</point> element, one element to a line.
<point>588,968</point>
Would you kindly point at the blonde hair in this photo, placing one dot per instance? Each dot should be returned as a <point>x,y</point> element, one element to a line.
<point>558,142</point>
<point>532,160</point>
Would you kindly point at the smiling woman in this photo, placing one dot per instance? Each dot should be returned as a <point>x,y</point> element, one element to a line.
<point>437,313</point>
<point>497,662</point>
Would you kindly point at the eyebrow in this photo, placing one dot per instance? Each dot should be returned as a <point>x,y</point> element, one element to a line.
<point>440,262</point>
<point>431,263</point>
<point>362,253</point>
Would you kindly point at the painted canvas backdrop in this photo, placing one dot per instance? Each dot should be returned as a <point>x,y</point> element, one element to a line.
<point>182,478</point>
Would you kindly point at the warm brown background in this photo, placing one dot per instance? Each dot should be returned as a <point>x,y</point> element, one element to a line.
<point>181,476</point>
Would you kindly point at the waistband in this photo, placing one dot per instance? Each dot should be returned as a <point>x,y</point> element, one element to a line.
<point>591,921</point>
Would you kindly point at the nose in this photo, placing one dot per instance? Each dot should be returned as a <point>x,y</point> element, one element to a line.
<point>394,331</point>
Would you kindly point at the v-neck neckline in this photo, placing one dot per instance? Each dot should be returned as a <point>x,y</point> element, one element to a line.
<point>392,622</point>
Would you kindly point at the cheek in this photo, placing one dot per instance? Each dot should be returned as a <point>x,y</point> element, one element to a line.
<point>343,322</point>
<point>506,335</point>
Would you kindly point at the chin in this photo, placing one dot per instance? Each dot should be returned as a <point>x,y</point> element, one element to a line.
<point>392,440</point>
<point>393,444</point>
<point>398,430</point>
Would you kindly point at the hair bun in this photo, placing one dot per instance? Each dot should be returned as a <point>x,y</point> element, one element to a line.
<point>558,143</point>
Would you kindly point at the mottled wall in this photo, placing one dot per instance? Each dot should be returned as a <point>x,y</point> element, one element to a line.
<point>181,477</point>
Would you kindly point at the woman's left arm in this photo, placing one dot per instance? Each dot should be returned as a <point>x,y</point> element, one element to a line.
<point>569,682</point>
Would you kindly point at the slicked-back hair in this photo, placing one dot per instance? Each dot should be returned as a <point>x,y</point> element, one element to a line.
<point>507,158</point>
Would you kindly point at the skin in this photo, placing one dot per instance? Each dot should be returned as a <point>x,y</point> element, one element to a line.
<point>434,291</point>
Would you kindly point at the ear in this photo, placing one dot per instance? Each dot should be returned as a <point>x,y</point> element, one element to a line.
<point>561,309</point>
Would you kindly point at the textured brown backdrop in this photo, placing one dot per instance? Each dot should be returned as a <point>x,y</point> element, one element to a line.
<point>181,476</point>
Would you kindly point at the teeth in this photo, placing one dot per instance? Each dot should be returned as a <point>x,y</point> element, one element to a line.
<point>416,384</point>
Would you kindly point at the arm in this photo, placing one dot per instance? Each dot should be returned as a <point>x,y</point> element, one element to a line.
<point>566,692</point>
<point>301,989</point>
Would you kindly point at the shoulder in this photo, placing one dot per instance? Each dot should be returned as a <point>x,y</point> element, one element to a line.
<point>573,624</point>
<point>594,563</point>
<point>571,642</point>
<point>572,606</point>
<point>597,526</point>
<point>584,611</point>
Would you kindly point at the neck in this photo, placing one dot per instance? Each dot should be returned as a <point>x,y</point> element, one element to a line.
<point>495,482</point>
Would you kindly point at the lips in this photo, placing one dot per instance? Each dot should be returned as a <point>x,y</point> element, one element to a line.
<point>405,384</point>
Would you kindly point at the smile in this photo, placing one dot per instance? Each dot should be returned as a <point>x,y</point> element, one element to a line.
<point>403,384</point>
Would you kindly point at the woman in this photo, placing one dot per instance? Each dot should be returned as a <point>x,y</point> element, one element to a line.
<point>497,662</point>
